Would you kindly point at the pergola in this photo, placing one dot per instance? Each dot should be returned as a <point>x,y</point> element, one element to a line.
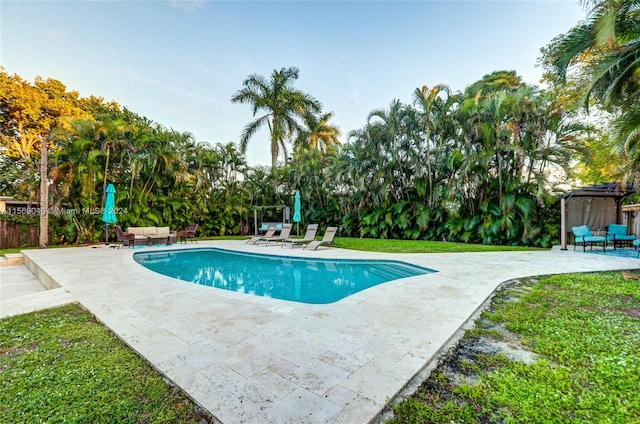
<point>286,214</point>
<point>596,206</point>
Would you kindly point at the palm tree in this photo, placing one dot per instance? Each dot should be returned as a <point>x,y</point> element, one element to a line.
<point>44,194</point>
<point>281,104</point>
<point>426,100</point>
<point>112,134</point>
<point>398,152</point>
<point>318,133</point>
<point>608,43</point>
<point>606,47</point>
<point>75,173</point>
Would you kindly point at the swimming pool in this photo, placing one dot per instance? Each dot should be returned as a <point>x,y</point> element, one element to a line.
<point>306,280</point>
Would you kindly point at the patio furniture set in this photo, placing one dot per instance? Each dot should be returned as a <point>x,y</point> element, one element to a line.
<point>616,235</point>
<point>145,236</point>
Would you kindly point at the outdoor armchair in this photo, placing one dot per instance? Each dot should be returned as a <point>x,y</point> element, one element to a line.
<point>128,239</point>
<point>583,235</point>
<point>617,235</point>
<point>189,233</point>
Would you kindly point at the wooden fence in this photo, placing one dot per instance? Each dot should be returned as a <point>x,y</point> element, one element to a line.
<point>14,235</point>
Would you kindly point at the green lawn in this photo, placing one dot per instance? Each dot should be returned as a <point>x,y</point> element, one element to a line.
<point>378,245</point>
<point>417,246</point>
<point>61,365</point>
<point>585,331</point>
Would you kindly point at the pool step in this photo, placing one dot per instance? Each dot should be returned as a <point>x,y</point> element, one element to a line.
<point>10,259</point>
<point>393,272</point>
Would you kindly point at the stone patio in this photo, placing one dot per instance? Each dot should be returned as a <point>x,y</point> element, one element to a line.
<point>250,359</point>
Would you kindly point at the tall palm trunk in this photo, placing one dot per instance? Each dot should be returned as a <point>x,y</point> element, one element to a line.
<point>44,195</point>
<point>104,182</point>
<point>274,155</point>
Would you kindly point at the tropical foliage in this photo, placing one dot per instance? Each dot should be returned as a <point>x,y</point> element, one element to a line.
<point>599,60</point>
<point>471,166</point>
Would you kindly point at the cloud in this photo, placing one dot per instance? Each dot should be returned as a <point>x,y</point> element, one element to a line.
<point>172,88</point>
<point>188,5</point>
<point>57,33</point>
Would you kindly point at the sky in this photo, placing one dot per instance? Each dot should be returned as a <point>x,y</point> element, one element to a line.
<point>179,63</point>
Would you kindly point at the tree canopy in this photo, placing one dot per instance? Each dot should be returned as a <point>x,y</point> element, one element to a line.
<point>477,165</point>
<point>603,55</point>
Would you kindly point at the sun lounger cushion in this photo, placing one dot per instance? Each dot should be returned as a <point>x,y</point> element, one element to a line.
<point>149,231</point>
<point>138,232</point>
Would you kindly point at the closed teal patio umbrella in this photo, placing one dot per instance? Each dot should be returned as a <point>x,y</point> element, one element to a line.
<point>109,215</point>
<point>296,210</point>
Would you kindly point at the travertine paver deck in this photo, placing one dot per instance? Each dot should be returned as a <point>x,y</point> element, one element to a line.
<point>21,292</point>
<point>261,360</point>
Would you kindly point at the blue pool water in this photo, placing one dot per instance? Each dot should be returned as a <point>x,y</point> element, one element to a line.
<point>316,281</point>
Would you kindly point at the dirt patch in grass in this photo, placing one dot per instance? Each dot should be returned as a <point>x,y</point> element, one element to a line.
<point>477,346</point>
<point>488,344</point>
<point>491,374</point>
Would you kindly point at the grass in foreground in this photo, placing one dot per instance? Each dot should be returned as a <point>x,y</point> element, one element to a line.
<point>585,331</point>
<point>61,365</point>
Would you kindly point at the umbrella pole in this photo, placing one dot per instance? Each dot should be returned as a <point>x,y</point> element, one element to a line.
<point>106,234</point>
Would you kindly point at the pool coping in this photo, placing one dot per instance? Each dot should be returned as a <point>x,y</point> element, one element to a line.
<point>262,360</point>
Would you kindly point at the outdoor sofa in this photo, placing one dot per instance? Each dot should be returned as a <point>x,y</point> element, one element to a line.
<point>267,225</point>
<point>152,235</point>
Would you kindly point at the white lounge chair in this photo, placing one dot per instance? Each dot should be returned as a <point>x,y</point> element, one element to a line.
<point>327,239</point>
<point>270,232</point>
<point>309,236</point>
<point>284,234</point>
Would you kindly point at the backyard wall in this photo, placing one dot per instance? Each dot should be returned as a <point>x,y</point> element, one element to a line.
<point>14,235</point>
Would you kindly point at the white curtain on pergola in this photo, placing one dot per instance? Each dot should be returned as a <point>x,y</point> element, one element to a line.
<point>595,212</point>
<point>286,215</point>
<point>596,207</point>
